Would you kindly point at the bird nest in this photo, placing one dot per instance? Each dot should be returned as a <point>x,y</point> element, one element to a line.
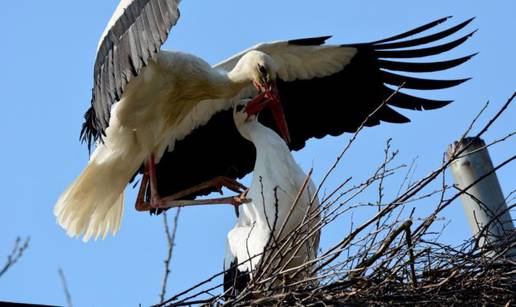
<point>393,256</point>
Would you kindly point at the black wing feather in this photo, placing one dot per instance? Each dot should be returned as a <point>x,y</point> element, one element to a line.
<point>215,149</point>
<point>344,100</point>
<point>422,52</point>
<point>414,31</point>
<point>423,67</point>
<point>425,39</point>
<point>318,107</point>
<point>125,50</point>
<point>235,281</point>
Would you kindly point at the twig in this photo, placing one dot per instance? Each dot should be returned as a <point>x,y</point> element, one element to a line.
<point>381,260</point>
<point>65,288</point>
<point>412,260</point>
<point>171,238</point>
<point>385,245</point>
<point>15,255</point>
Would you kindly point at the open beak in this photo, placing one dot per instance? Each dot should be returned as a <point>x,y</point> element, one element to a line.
<point>269,97</point>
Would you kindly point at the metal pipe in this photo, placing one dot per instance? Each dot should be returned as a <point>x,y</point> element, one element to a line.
<point>483,203</point>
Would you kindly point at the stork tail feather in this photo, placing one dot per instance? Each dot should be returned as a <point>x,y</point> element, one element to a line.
<point>94,203</point>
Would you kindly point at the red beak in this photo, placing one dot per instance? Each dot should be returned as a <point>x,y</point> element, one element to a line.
<point>270,98</point>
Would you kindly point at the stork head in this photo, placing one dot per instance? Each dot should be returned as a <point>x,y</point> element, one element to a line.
<point>261,69</point>
<point>240,116</point>
<point>245,115</point>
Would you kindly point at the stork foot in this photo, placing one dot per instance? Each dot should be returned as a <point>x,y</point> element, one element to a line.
<point>240,200</point>
<point>230,183</point>
<point>173,201</point>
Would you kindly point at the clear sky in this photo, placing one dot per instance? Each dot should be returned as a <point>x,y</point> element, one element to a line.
<point>48,50</point>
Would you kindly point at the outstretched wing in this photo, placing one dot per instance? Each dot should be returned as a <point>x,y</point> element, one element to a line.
<point>133,36</point>
<point>325,90</point>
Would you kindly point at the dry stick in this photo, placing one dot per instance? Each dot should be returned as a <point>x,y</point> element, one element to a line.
<point>425,181</point>
<point>379,253</point>
<point>423,226</point>
<point>353,138</point>
<point>408,235</point>
<point>15,255</point>
<point>380,194</point>
<point>299,244</point>
<point>502,139</point>
<point>322,223</point>
<point>176,297</point>
<point>447,279</point>
<point>171,238</point>
<point>493,219</point>
<point>268,256</point>
<point>65,288</point>
<point>359,189</point>
<point>421,184</point>
<point>338,188</point>
<point>408,176</point>
<point>291,243</point>
<point>338,251</point>
<point>272,241</point>
<point>494,118</point>
<point>305,184</point>
<point>211,278</point>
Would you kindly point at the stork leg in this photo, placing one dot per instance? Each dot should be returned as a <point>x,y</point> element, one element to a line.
<point>174,200</point>
<point>141,205</point>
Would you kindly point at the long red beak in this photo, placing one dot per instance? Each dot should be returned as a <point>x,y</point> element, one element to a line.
<point>270,98</point>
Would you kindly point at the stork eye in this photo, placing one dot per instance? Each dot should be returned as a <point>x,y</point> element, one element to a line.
<point>239,108</point>
<point>262,69</point>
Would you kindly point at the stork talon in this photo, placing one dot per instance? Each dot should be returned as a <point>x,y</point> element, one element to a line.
<point>238,200</point>
<point>229,183</point>
<point>157,202</point>
<point>244,194</point>
<point>237,212</point>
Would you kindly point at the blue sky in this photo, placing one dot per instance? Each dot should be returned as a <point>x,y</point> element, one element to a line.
<point>47,53</point>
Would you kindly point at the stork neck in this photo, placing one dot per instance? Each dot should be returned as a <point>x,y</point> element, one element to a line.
<point>224,87</point>
<point>266,141</point>
<point>236,80</point>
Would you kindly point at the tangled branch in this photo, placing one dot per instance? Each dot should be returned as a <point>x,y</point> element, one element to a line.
<point>171,238</point>
<point>15,255</point>
<point>394,257</point>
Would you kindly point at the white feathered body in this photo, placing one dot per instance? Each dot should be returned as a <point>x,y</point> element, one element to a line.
<point>172,96</point>
<point>277,179</point>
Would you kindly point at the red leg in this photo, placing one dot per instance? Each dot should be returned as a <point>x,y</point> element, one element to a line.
<point>174,200</point>
<point>141,204</point>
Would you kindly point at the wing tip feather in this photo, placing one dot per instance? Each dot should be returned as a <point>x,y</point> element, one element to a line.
<point>310,41</point>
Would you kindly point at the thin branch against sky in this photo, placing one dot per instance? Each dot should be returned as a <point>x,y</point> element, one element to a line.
<point>48,81</point>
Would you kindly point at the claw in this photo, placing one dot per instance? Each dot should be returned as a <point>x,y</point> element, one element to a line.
<point>237,213</point>
<point>229,183</point>
<point>172,201</point>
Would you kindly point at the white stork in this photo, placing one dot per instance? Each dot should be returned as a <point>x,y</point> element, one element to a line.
<point>275,211</point>
<point>324,90</point>
<point>156,107</point>
<point>146,101</point>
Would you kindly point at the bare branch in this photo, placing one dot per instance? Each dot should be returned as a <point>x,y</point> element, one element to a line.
<point>171,238</point>
<point>15,255</point>
<point>65,288</point>
<point>382,259</point>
